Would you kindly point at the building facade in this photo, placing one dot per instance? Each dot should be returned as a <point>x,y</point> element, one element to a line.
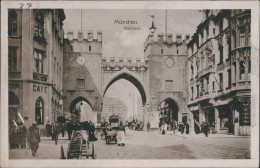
<point>35,65</point>
<point>167,78</point>
<point>219,70</point>
<point>112,106</point>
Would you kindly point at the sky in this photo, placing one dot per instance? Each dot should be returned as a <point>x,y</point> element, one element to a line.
<point>117,42</point>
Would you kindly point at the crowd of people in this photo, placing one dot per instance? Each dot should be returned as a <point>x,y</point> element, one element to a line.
<point>136,125</point>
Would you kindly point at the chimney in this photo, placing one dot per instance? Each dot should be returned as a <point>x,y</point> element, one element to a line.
<point>70,35</point>
<point>99,35</point>
<point>80,35</point>
<point>160,38</point>
<point>178,39</point>
<point>169,38</point>
<point>90,35</point>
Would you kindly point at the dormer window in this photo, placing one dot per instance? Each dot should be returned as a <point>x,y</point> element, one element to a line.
<point>12,23</point>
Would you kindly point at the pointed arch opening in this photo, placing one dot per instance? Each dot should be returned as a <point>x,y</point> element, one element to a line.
<point>131,79</point>
<point>81,109</point>
<point>168,109</point>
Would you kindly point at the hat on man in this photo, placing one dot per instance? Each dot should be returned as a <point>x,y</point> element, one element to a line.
<point>34,123</point>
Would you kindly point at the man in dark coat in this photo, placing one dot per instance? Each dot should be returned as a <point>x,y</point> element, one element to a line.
<point>206,129</point>
<point>34,138</point>
<point>69,128</point>
<point>91,132</point>
<point>187,128</point>
<point>148,126</point>
<point>22,135</point>
<point>48,128</point>
<point>55,132</point>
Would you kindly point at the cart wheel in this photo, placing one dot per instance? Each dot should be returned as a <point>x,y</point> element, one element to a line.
<point>62,155</point>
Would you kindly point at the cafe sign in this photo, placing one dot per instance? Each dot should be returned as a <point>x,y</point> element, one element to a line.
<point>40,88</point>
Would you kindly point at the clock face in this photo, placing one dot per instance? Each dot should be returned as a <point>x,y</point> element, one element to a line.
<point>169,62</point>
<point>80,60</point>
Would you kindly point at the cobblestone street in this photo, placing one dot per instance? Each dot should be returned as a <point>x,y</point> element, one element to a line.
<point>153,145</point>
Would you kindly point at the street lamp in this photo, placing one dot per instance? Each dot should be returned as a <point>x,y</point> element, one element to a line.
<point>153,28</point>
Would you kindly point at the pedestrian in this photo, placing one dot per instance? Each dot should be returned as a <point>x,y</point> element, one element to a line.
<point>187,128</point>
<point>206,129</point>
<point>22,135</point>
<point>48,129</point>
<point>91,132</point>
<point>121,134</point>
<point>174,126</point>
<point>148,125</point>
<point>196,127</point>
<point>34,138</point>
<point>69,128</point>
<point>55,132</point>
<point>62,126</point>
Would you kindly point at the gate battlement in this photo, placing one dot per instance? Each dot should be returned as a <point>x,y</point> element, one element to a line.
<point>84,36</point>
<point>179,39</point>
<point>116,64</point>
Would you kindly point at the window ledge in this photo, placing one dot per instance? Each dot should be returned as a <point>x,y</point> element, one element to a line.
<point>220,90</point>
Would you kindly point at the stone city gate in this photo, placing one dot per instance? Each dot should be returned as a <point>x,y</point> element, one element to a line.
<point>87,76</point>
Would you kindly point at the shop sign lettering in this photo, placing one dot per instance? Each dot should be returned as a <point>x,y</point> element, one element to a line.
<point>38,88</point>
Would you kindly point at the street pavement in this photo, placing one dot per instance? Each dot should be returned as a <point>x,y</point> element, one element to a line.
<point>152,145</point>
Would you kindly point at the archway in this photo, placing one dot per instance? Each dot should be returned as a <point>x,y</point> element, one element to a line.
<point>131,79</point>
<point>81,110</point>
<point>168,109</point>
<point>13,104</point>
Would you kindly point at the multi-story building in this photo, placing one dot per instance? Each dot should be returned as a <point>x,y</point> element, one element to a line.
<point>219,71</point>
<point>115,106</point>
<point>35,64</point>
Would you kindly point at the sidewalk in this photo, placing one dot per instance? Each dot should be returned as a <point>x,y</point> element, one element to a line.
<point>60,137</point>
<point>200,135</point>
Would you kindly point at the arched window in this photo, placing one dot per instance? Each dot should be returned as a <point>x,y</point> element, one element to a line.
<point>12,23</point>
<point>242,70</point>
<point>39,25</point>
<point>39,111</point>
<point>242,37</point>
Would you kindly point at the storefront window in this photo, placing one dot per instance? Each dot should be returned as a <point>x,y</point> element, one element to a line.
<point>39,111</point>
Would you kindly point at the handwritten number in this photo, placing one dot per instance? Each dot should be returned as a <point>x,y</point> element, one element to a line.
<point>29,5</point>
<point>21,5</point>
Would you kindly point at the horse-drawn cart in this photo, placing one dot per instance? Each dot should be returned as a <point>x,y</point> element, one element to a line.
<point>79,146</point>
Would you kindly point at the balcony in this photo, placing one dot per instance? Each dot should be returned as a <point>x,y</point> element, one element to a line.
<point>206,70</point>
<point>14,75</point>
<point>41,77</point>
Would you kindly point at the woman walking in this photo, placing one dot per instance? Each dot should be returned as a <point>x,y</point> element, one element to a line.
<point>121,134</point>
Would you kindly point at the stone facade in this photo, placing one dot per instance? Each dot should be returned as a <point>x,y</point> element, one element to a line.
<point>219,71</point>
<point>35,65</point>
<point>167,78</point>
<point>82,71</point>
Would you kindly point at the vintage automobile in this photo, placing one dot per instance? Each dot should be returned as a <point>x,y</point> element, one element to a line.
<point>112,128</point>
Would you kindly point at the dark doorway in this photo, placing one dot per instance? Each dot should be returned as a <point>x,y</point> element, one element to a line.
<point>168,111</point>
